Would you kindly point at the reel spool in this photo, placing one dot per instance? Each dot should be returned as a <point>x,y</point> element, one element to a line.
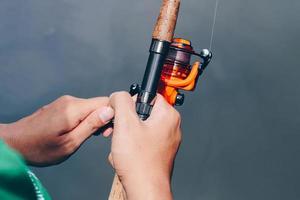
<point>177,73</point>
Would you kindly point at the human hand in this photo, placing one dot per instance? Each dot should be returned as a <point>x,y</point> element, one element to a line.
<point>143,152</point>
<point>54,132</point>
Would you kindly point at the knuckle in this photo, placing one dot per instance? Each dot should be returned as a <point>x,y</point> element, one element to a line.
<point>67,108</point>
<point>110,160</point>
<point>113,98</point>
<point>67,98</point>
<point>177,117</point>
<point>67,105</point>
<point>42,110</point>
<point>179,137</point>
<point>119,94</point>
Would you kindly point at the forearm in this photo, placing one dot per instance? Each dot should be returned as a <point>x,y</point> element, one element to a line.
<point>156,187</point>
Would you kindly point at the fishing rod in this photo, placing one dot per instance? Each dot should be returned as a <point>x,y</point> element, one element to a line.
<point>167,72</point>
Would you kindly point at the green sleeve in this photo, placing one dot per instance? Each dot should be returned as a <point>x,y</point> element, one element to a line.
<point>17,182</point>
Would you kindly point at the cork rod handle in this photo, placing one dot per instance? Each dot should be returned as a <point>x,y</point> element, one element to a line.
<point>167,19</point>
<point>117,191</point>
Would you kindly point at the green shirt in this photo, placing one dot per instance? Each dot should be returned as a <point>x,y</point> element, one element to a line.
<point>17,182</point>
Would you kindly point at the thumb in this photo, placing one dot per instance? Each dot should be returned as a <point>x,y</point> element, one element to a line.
<point>92,123</point>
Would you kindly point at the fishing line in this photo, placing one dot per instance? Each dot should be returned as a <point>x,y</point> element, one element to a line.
<point>214,24</point>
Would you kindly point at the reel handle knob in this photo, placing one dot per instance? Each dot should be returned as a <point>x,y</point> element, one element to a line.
<point>134,89</point>
<point>179,99</point>
<point>206,55</point>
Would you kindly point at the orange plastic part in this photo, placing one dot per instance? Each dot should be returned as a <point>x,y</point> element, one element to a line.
<point>169,86</point>
<point>182,41</point>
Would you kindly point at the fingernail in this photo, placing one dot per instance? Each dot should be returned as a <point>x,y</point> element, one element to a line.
<point>106,114</point>
<point>107,132</point>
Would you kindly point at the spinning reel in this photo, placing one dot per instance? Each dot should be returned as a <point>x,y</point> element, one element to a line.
<point>177,73</point>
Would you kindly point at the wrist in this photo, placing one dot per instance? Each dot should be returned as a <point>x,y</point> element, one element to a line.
<point>7,133</point>
<point>3,131</point>
<point>150,187</point>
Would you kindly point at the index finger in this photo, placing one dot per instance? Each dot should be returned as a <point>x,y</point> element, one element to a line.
<point>160,111</point>
<point>124,106</point>
<point>86,106</point>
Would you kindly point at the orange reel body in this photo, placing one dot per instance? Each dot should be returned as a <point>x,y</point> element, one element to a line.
<point>178,73</point>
